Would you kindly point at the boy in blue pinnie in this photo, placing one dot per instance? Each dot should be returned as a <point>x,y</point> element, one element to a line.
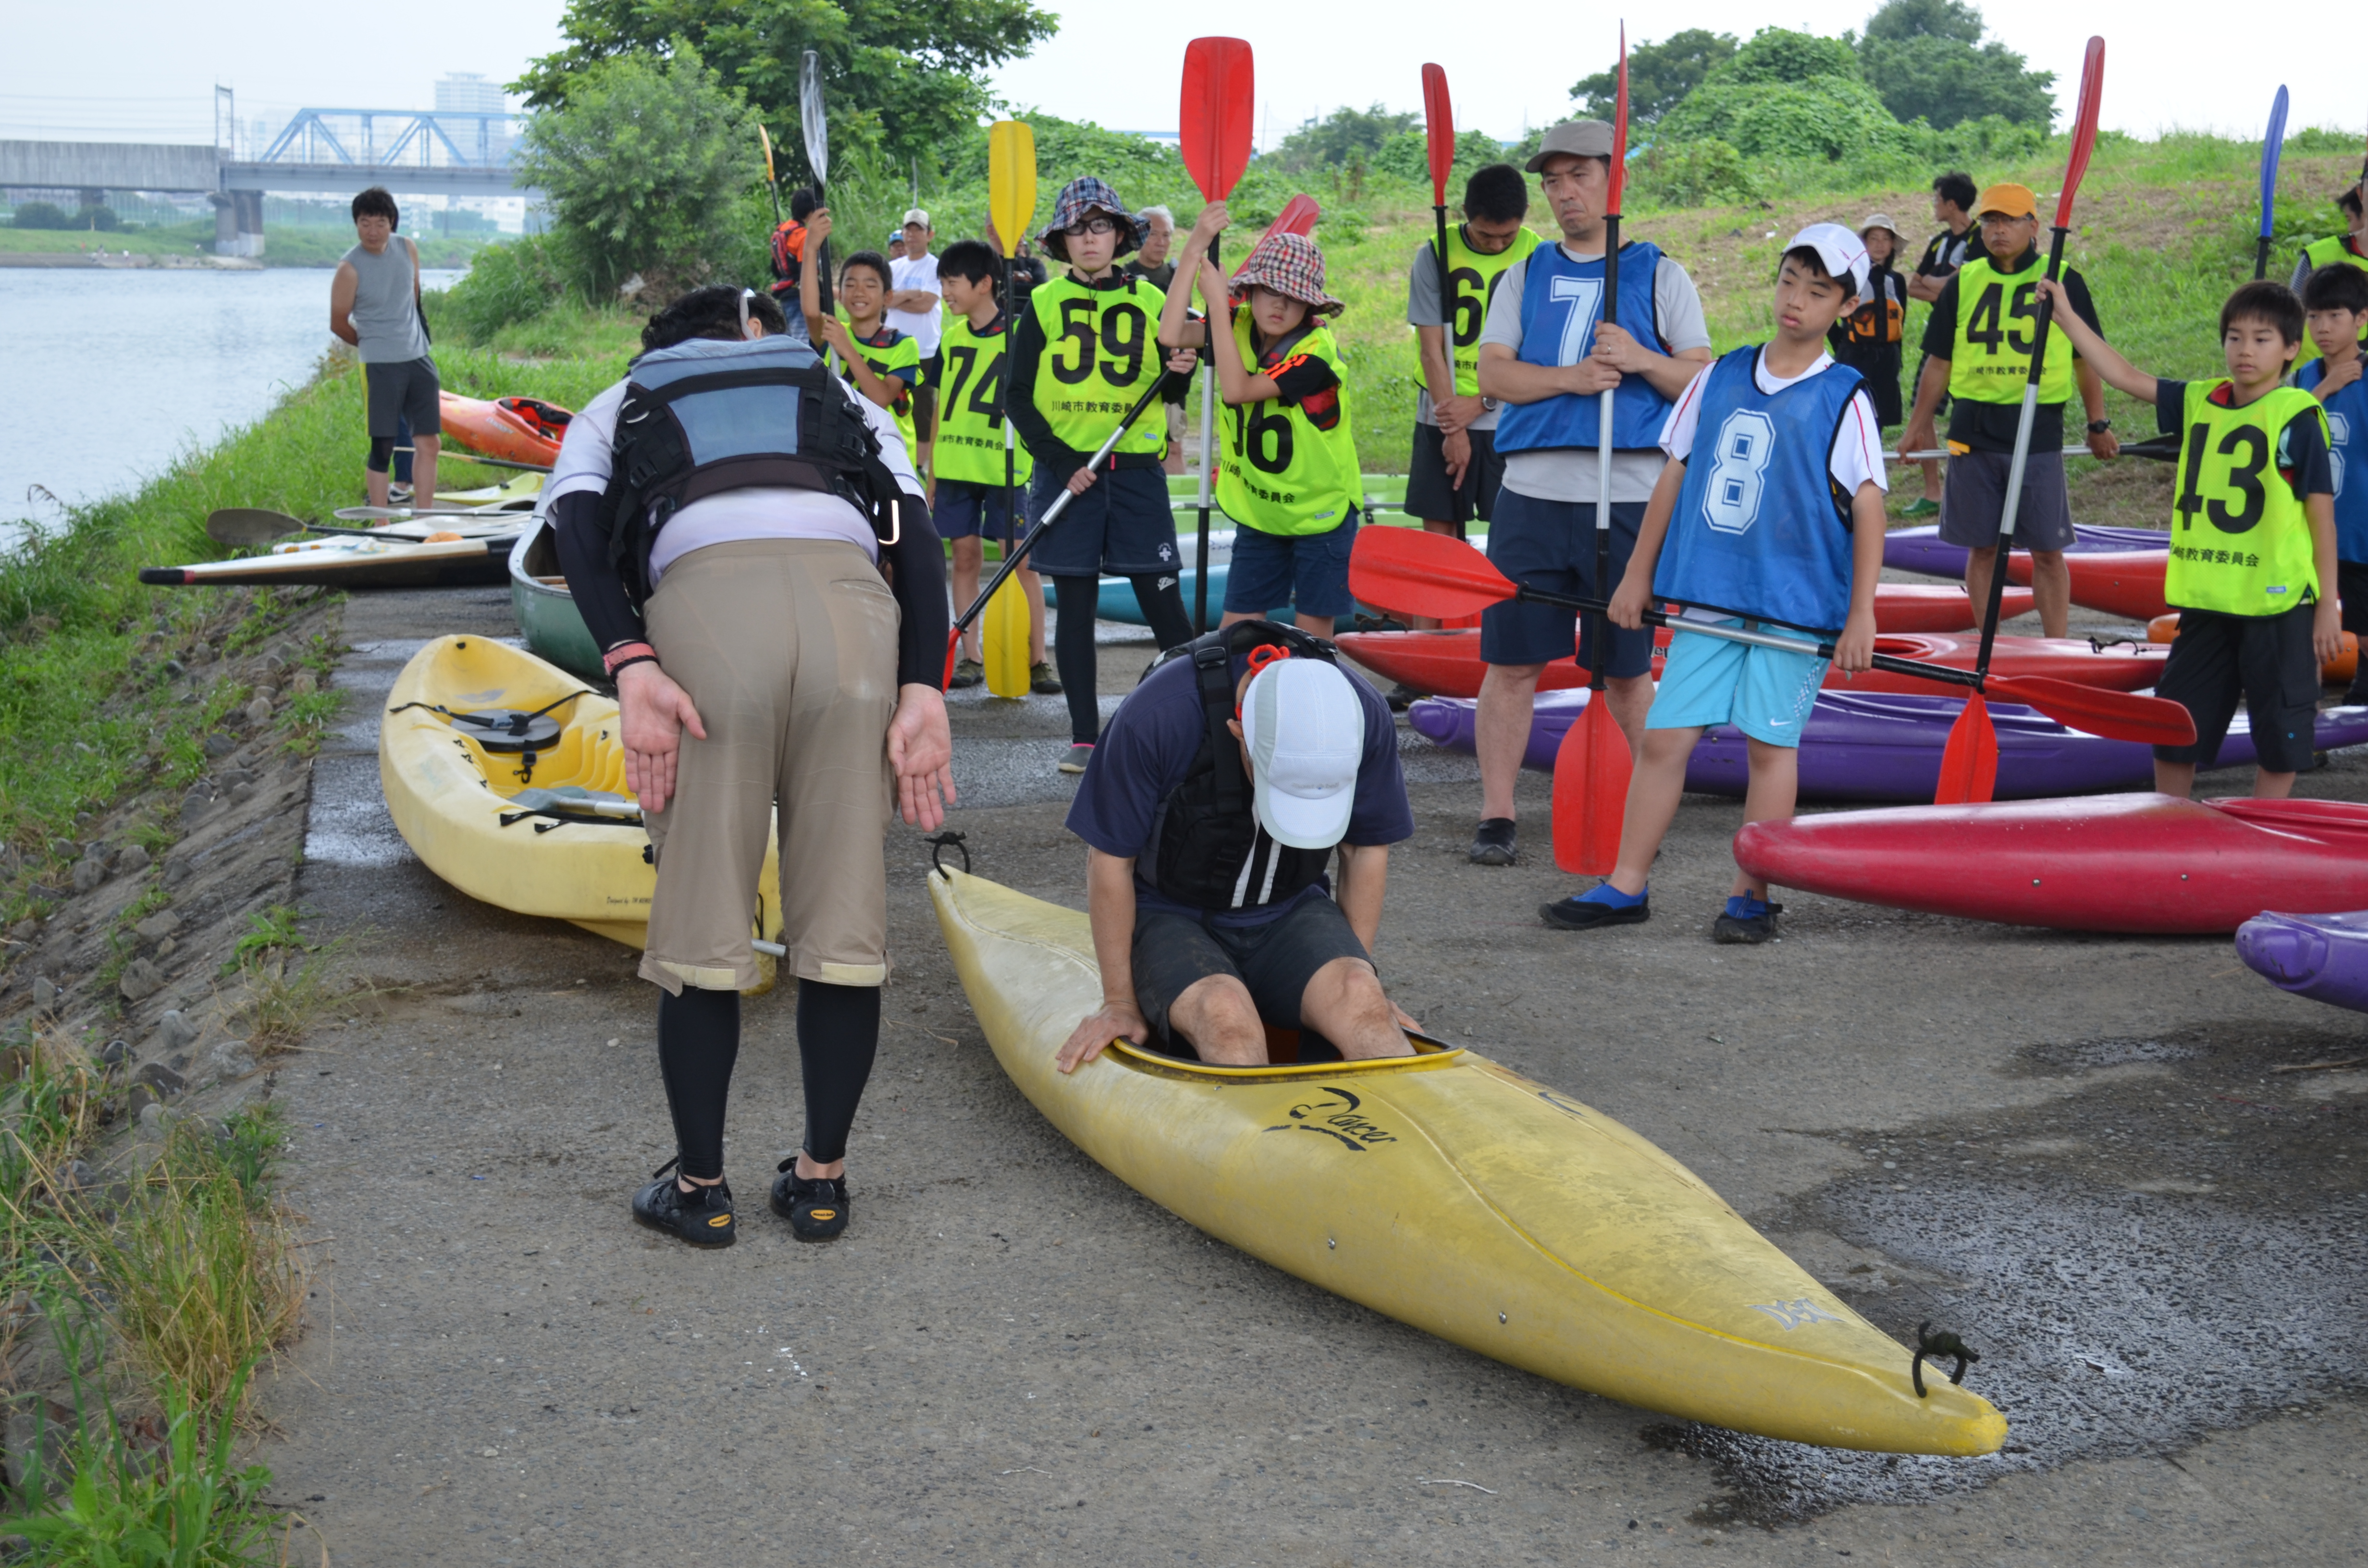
<point>1777,527</point>
<point>2335,311</point>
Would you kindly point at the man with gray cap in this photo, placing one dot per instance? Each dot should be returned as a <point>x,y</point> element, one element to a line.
<point>1546,357</point>
<point>1221,790</point>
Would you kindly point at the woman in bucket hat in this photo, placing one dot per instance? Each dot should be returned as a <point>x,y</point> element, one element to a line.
<point>1287,448</point>
<point>1083,350</point>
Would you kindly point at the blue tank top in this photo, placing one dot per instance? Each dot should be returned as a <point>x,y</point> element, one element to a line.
<point>1561,301</point>
<point>1757,530</point>
<point>2347,425</point>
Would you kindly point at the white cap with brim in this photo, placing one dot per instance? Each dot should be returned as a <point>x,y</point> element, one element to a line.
<point>1843,252</point>
<point>1305,732</point>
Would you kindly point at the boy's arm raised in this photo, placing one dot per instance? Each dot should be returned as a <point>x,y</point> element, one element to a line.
<point>2119,373</point>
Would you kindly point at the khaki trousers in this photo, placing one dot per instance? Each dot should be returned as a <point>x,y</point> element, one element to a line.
<point>788,650</point>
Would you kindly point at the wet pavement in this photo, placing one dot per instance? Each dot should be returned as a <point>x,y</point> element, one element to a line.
<point>2074,1151</point>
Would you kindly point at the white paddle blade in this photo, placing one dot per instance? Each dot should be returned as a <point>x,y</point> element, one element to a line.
<point>810,115</point>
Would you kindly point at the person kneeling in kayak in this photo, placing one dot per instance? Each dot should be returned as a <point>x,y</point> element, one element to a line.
<point>729,517</point>
<point>1211,809</point>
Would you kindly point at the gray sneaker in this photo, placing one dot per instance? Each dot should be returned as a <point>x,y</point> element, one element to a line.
<point>1080,753</point>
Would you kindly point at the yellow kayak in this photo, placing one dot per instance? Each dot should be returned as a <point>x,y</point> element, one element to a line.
<point>459,778</point>
<point>1460,1198</point>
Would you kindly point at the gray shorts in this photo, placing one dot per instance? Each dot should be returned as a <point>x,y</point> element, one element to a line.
<point>401,389</point>
<point>1972,502</point>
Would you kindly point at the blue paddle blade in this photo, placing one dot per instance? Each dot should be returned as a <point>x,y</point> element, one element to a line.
<point>2272,142</point>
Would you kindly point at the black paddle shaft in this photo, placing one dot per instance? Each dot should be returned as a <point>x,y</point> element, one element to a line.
<point>1060,503</point>
<point>1446,321</point>
<point>2046,316</point>
<point>1208,468</point>
<point>1603,481</point>
<point>1822,649</point>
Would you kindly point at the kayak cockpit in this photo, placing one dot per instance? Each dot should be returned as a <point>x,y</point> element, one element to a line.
<point>1430,1054</point>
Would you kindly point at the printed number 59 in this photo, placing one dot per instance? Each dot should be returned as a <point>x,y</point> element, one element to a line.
<point>1584,298</point>
<point>1745,442</point>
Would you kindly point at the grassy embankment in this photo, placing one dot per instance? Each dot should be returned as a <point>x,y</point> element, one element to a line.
<point>290,245</point>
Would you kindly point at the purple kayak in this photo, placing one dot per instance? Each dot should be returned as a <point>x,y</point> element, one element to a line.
<point>2323,957</point>
<point>1886,747</point>
<point>1920,549</point>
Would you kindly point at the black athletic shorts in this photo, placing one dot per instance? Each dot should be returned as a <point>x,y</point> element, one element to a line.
<point>401,389</point>
<point>1429,497</point>
<point>2351,588</point>
<point>2267,660</point>
<point>1275,959</point>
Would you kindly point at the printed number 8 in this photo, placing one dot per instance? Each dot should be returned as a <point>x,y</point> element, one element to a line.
<point>1745,443</point>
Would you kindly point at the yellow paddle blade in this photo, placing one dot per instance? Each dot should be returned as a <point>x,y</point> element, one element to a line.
<point>1010,181</point>
<point>767,140</point>
<point>1004,628</point>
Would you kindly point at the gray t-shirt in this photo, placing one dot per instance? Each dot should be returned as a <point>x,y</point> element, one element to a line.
<point>1423,309</point>
<point>1568,473</point>
<point>386,311</point>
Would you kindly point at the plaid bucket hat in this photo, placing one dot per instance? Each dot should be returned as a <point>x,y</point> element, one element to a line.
<point>1293,267</point>
<point>1087,195</point>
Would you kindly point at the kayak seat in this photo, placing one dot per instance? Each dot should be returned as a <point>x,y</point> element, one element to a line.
<point>1284,1048</point>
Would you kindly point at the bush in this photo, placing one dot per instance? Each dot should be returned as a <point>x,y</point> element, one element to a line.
<point>1691,173</point>
<point>1827,117</point>
<point>644,164</point>
<point>40,215</point>
<point>102,219</point>
<point>506,284</point>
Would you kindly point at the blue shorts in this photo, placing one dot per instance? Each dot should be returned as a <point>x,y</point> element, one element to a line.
<point>1765,692</point>
<point>1120,525</point>
<point>965,510</point>
<point>1551,545</point>
<point>1307,571</point>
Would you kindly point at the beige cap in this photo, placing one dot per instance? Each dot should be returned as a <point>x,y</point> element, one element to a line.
<point>916,215</point>
<point>1577,137</point>
<point>1881,221</point>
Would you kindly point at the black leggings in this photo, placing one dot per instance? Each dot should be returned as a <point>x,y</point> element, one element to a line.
<point>699,1042</point>
<point>1075,599</point>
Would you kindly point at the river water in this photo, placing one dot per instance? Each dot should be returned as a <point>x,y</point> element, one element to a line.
<point>120,371</point>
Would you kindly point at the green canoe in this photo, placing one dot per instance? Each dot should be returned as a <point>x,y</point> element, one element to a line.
<point>546,610</point>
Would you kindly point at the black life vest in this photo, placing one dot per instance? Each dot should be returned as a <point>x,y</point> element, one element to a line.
<point>706,416</point>
<point>1208,850</point>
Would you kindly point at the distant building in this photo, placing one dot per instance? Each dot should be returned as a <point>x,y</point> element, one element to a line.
<point>470,92</point>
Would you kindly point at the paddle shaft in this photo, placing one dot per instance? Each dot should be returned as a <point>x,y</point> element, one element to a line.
<point>1208,453</point>
<point>1060,504</point>
<point>1604,454</point>
<point>1446,303</point>
<point>496,463</point>
<point>2007,513</point>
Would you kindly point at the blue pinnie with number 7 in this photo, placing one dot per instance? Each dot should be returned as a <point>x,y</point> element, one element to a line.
<point>1767,516</point>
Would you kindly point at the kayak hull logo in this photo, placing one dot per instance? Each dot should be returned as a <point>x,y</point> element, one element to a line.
<point>1336,1113</point>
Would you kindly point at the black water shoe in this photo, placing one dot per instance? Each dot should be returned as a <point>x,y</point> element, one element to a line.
<point>1754,926</point>
<point>817,1210</point>
<point>1492,842</point>
<point>701,1217</point>
<point>1580,914</point>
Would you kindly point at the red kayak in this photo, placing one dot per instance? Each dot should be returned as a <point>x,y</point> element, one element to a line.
<point>2143,863</point>
<point>1447,663</point>
<point>2126,583</point>
<point>1915,606</point>
<point>522,430</point>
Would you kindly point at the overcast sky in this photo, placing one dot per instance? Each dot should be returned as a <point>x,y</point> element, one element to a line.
<point>144,70</point>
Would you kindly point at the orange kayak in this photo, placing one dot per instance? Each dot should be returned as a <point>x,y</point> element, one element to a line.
<point>2337,671</point>
<point>2118,582</point>
<point>521,430</point>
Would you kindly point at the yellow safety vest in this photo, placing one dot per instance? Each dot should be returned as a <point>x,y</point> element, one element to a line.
<point>1101,349</point>
<point>2240,540</point>
<point>1281,472</point>
<point>1991,362</point>
<point>1474,278</point>
<point>970,416</point>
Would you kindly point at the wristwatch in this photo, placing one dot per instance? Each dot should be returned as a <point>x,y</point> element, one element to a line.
<point>2098,426</point>
<point>1487,405</point>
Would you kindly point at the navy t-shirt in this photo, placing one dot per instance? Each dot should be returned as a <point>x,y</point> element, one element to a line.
<point>1148,745</point>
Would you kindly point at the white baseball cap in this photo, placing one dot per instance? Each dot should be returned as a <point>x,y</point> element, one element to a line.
<point>1304,728</point>
<point>1843,252</point>
<point>916,215</point>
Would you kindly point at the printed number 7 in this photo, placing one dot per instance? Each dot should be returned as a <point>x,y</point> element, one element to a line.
<point>1585,298</point>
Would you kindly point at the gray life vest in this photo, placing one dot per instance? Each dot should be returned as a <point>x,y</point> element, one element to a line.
<point>706,416</point>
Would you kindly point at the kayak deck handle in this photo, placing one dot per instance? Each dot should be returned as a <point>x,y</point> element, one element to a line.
<point>1936,1345</point>
<point>943,842</point>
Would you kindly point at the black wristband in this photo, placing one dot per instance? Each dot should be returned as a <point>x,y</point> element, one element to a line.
<point>2098,426</point>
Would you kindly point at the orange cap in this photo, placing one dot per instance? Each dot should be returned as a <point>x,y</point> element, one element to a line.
<point>2007,201</point>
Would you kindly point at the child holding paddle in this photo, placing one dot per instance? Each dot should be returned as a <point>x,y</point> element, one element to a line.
<point>881,363</point>
<point>966,484</point>
<point>2252,540</point>
<point>1290,479</point>
<point>2334,308</point>
<point>1780,525</point>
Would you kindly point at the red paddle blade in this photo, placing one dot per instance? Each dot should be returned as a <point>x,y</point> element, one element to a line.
<point>1411,572</point>
<point>1590,791</point>
<point>2116,715</point>
<point>1620,128</point>
<point>1216,118</point>
<point>1969,763</point>
<point>2084,126</point>
<point>1299,216</point>
<point>1438,126</point>
<point>953,647</point>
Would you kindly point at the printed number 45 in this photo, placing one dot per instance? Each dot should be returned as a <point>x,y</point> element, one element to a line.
<point>1584,298</point>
